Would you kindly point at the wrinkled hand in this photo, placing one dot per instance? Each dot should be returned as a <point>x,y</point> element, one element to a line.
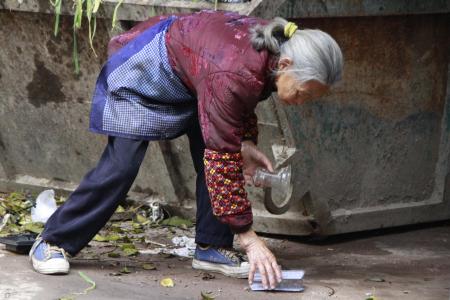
<point>253,159</point>
<point>261,258</point>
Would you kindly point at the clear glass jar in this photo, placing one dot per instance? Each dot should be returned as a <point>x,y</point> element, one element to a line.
<point>280,179</point>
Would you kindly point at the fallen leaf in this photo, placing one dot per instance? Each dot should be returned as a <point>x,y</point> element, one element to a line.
<point>176,221</point>
<point>138,230</point>
<point>208,296</point>
<point>127,246</point>
<point>131,252</point>
<point>129,249</point>
<point>2,211</point>
<point>149,266</point>
<point>113,255</point>
<point>207,276</point>
<point>100,238</point>
<point>113,237</point>
<point>125,270</point>
<point>167,282</point>
<point>35,227</point>
<point>376,279</point>
<point>141,219</point>
<point>120,209</point>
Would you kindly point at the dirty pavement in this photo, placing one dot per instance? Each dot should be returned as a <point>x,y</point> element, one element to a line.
<point>140,256</point>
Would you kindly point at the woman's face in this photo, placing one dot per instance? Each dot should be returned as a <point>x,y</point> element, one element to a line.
<point>291,91</point>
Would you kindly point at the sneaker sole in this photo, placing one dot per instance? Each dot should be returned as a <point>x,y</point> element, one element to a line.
<point>236,272</point>
<point>49,270</point>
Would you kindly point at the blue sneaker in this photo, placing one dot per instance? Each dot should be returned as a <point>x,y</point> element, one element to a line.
<point>221,260</point>
<point>48,259</point>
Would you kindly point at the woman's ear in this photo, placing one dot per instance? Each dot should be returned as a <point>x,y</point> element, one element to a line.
<point>284,63</point>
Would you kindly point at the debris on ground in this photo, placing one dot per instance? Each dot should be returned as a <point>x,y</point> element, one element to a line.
<point>15,214</point>
<point>148,266</point>
<point>45,206</point>
<point>185,247</point>
<point>370,296</point>
<point>167,282</point>
<point>208,295</point>
<point>176,221</point>
<point>88,280</point>
<point>207,276</point>
<point>129,233</point>
<point>92,286</point>
<point>125,270</point>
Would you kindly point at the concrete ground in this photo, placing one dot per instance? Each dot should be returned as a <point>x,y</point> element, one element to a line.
<point>406,263</point>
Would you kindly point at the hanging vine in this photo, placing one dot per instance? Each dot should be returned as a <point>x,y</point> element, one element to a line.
<point>90,8</point>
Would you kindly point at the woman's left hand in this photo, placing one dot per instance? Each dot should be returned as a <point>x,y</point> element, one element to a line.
<point>253,159</point>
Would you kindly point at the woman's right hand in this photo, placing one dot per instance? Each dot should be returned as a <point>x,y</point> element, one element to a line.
<point>261,258</point>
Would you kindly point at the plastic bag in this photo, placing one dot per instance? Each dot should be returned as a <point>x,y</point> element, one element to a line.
<point>45,206</point>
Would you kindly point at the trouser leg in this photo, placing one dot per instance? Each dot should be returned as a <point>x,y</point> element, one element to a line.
<point>208,229</point>
<point>92,204</point>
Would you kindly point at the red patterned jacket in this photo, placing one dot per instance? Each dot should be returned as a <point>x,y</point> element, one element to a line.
<point>212,54</point>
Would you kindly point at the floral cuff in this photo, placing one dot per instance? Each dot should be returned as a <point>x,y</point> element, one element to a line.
<point>225,182</point>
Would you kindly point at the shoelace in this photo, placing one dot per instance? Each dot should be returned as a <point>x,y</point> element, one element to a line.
<point>51,249</point>
<point>232,255</point>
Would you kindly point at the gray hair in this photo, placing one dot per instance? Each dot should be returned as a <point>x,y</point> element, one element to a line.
<point>314,53</point>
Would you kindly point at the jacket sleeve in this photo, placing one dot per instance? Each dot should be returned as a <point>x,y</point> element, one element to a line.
<point>224,101</point>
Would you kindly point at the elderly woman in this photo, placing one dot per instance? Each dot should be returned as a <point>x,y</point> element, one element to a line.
<point>202,75</point>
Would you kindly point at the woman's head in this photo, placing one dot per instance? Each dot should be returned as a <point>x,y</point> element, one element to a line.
<point>310,61</point>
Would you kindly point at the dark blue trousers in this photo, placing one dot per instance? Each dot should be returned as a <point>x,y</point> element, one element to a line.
<point>92,204</point>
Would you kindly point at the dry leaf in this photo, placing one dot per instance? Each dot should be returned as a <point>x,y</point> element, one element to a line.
<point>208,296</point>
<point>167,282</point>
<point>149,266</point>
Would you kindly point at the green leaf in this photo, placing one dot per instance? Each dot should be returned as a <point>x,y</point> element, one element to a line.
<point>113,237</point>
<point>113,255</point>
<point>138,231</point>
<point>2,211</point>
<point>116,229</point>
<point>35,227</point>
<point>130,252</point>
<point>129,249</point>
<point>114,18</point>
<point>57,8</point>
<point>177,222</point>
<point>92,30</point>
<point>88,280</point>
<point>141,219</point>
<point>125,270</point>
<point>78,14</point>
<point>120,209</point>
<point>100,238</point>
<point>127,246</point>
<point>96,6</point>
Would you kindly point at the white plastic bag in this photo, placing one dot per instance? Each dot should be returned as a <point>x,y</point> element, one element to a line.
<point>45,206</point>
